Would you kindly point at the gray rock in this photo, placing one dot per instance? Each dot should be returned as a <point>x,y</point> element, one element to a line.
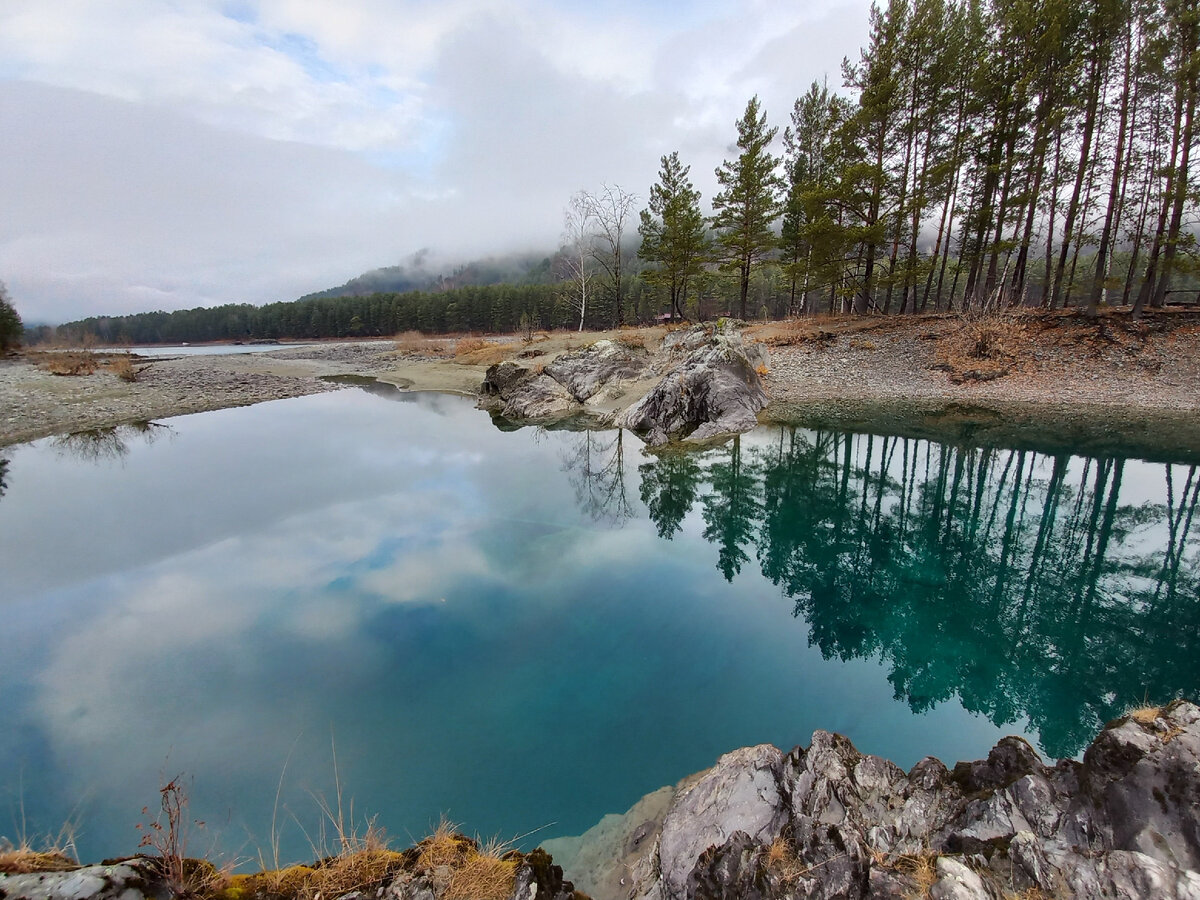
<point>742,792</point>
<point>524,394</point>
<point>132,880</point>
<point>713,390</point>
<point>957,882</point>
<point>1140,786</point>
<point>1121,824</point>
<point>586,371</point>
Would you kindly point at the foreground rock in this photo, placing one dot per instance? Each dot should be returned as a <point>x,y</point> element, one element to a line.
<point>711,389</point>
<point>827,822</point>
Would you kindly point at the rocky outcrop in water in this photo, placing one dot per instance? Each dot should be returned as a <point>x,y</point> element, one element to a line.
<point>707,386</point>
<point>711,389</point>
<point>828,821</point>
<point>562,387</point>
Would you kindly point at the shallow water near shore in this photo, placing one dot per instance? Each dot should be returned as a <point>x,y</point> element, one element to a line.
<point>527,630</point>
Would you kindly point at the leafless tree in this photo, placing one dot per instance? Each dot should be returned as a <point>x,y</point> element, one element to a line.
<point>578,240</point>
<point>610,209</point>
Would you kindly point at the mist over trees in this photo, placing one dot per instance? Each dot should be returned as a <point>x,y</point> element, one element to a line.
<point>976,153</point>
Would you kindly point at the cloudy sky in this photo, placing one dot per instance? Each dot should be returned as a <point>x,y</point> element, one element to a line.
<point>161,154</point>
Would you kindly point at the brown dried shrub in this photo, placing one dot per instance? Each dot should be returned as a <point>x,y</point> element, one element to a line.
<point>68,362</point>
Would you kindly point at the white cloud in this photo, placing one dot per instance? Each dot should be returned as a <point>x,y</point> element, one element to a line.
<point>206,151</point>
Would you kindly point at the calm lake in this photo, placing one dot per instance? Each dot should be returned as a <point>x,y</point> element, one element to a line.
<point>530,629</point>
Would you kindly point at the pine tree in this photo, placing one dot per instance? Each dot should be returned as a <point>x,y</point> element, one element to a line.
<point>810,238</point>
<point>749,201</point>
<point>11,328</point>
<point>672,231</point>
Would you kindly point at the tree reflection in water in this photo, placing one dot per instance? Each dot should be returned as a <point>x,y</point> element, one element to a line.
<point>108,444</point>
<point>1019,582</point>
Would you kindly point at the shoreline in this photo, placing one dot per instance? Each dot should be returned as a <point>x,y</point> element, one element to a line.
<point>1065,389</point>
<point>821,821</point>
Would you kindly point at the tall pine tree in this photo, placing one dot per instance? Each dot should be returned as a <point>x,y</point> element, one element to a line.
<point>749,201</point>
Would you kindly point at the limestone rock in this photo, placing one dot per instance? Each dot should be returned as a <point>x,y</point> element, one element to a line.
<point>521,393</point>
<point>714,389</point>
<point>742,792</point>
<point>586,371</point>
<point>131,880</point>
<point>1122,824</point>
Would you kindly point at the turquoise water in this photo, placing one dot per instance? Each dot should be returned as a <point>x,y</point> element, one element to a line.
<point>528,630</point>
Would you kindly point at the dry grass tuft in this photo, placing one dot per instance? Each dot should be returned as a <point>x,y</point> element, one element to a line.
<point>488,873</point>
<point>23,859</point>
<point>467,345</point>
<point>922,870</point>
<point>445,847</point>
<point>488,354</point>
<point>68,362</point>
<point>122,367</point>
<point>1144,714</point>
<point>984,347</point>
<point>632,340</point>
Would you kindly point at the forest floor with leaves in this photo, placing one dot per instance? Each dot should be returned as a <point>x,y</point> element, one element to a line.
<point>1015,364</point>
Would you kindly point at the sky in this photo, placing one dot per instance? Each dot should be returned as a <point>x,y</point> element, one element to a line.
<point>166,154</point>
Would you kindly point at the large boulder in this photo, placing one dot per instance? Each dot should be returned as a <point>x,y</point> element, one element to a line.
<point>712,389</point>
<point>521,393</point>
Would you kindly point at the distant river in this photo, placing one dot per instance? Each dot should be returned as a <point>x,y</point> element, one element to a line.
<point>200,349</point>
<point>527,630</point>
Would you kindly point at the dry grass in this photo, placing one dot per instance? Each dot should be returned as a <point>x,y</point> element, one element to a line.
<point>488,873</point>
<point>984,346</point>
<point>416,343</point>
<point>445,847</point>
<point>1144,714</point>
<point>470,344</point>
<point>21,859</point>
<point>488,354</point>
<point>632,340</point>
<point>922,869</point>
<point>68,362</point>
<point>122,367</point>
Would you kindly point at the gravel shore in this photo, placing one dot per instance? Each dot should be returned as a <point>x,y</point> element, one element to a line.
<point>1118,376</point>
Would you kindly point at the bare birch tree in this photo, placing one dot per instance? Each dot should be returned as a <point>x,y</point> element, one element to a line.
<point>610,209</point>
<point>578,241</point>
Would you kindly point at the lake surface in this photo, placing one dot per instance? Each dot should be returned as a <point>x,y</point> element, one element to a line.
<point>528,630</point>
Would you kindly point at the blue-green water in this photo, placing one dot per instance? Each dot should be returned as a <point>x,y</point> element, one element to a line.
<point>527,630</point>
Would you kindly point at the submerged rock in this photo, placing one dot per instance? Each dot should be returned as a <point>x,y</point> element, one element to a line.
<point>827,821</point>
<point>713,389</point>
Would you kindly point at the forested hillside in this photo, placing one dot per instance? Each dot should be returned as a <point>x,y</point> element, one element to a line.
<point>979,153</point>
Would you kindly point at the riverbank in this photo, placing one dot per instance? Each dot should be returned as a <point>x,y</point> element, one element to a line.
<point>1111,380</point>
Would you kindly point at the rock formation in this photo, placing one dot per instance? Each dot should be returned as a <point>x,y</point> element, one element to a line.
<point>538,393</point>
<point>828,821</point>
<point>711,389</point>
<point>707,386</point>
